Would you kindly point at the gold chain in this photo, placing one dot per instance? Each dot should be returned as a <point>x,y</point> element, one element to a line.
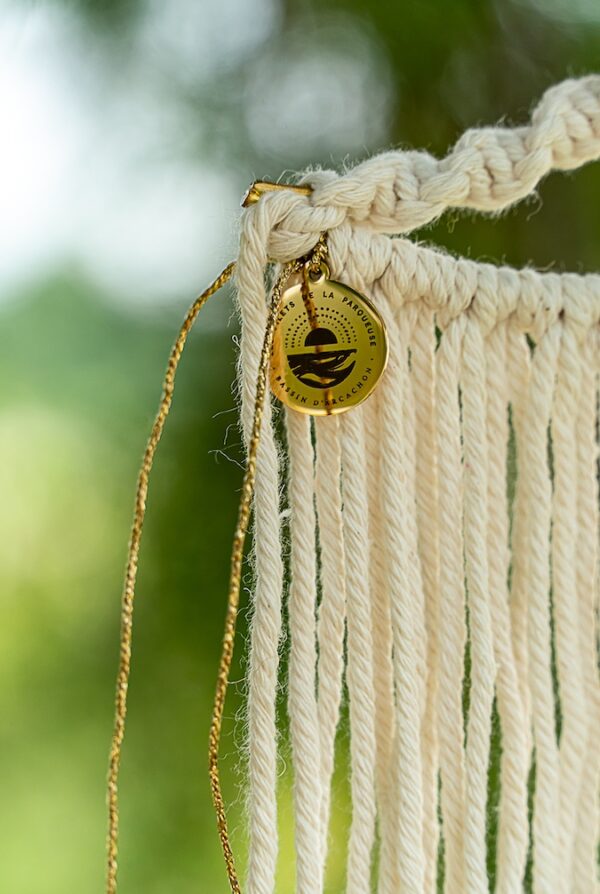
<point>131,575</point>
<point>237,554</point>
<point>127,604</point>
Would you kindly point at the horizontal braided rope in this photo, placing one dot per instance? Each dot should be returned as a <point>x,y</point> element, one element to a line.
<point>489,169</point>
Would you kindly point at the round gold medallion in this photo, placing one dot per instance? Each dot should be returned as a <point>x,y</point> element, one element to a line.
<point>329,347</point>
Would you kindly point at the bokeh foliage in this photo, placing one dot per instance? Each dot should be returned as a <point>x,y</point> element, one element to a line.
<point>80,378</point>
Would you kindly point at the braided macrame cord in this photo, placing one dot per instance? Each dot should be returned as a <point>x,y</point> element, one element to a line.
<point>447,600</point>
<point>411,572</point>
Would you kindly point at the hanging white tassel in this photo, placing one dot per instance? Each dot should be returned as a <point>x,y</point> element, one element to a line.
<point>400,520</point>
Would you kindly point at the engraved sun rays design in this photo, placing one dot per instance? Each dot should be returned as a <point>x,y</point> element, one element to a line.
<point>327,317</point>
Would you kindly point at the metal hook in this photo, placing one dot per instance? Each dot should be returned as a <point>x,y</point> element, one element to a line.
<point>259,187</point>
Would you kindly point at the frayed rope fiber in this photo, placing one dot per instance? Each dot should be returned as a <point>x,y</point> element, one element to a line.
<point>408,550</point>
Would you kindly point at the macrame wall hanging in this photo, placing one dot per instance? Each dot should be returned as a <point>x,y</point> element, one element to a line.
<point>414,578</point>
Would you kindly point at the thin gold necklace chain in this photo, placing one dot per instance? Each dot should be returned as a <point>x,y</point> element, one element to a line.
<point>237,553</point>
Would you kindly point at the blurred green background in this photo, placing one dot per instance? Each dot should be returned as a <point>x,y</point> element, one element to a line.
<point>130,128</point>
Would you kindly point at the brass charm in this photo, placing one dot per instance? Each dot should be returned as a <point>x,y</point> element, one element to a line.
<point>329,346</point>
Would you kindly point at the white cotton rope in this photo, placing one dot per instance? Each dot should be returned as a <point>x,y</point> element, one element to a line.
<point>546,818</point>
<point>478,601</point>
<point>452,626</point>
<point>512,839</point>
<point>585,854</point>
<point>383,671</point>
<point>302,695</point>
<point>331,624</point>
<point>427,497</point>
<point>444,541</point>
<point>518,368</point>
<point>266,624</point>
<point>407,627</point>
<point>574,708</point>
<point>359,674</point>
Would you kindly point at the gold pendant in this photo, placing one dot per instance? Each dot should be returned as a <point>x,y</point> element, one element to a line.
<point>329,345</point>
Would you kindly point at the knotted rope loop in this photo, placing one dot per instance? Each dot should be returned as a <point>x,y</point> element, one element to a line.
<point>406,272</point>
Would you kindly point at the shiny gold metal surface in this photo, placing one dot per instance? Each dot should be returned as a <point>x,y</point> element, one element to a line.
<point>329,346</point>
<point>262,186</point>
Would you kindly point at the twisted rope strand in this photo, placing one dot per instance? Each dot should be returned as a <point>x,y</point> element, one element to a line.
<point>587,562</point>
<point>483,666</point>
<point>383,672</point>
<point>332,610</point>
<point>452,631</point>
<point>536,474</point>
<point>426,481</point>
<point>513,825</point>
<point>359,672</point>
<point>518,362</point>
<point>302,696</point>
<point>573,703</point>
<point>407,626</point>
<point>265,630</point>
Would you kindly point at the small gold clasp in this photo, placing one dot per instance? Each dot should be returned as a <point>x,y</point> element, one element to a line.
<point>259,187</point>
